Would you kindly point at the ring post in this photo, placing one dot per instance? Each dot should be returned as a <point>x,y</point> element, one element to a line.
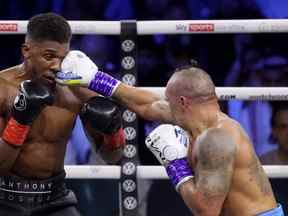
<point>128,181</point>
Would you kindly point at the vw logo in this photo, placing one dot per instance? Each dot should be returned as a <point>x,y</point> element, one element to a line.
<point>129,168</point>
<point>129,185</point>
<point>130,133</point>
<point>129,79</point>
<point>127,45</point>
<point>129,151</point>
<point>128,62</point>
<point>130,203</point>
<point>128,116</point>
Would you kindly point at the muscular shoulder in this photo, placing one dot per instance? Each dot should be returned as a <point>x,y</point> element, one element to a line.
<point>4,89</point>
<point>9,74</point>
<point>216,145</point>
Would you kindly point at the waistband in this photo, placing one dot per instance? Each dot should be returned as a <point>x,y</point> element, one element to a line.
<point>278,211</point>
<point>15,189</point>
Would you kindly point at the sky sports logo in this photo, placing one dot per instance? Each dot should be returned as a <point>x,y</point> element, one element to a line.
<point>195,27</point>
<point>8,27</point>
<point>201,27</point>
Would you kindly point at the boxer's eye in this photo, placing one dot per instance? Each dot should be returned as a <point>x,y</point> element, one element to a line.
<point>49,57</point>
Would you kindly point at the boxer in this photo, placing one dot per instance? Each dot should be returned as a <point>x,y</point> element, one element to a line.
<point>36,120</point>
<point>228,177</point>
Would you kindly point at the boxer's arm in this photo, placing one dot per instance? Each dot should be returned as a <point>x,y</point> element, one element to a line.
<point>77,69</point>
<point>145,103</point>
<point>97,140</point>
<point>32,97</point>
<point>205,194</point>
<point>8,153</point>
<point>101,118</point>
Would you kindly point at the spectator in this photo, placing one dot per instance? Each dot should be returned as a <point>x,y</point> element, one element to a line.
<point>279,156</point>
<point>279,135</point>
<point>255,116</point>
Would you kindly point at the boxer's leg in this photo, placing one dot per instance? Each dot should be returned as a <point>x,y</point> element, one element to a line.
<point>63,206</point>
<point>66,211</point>
<point>7,210</point>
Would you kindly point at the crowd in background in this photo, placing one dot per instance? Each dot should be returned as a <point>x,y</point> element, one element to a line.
<point>230,59</point>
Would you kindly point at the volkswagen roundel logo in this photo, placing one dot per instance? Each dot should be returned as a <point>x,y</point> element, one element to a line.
<point>129,168</point>
<point>129,116</point>
<point>127,45</point>
<point>20,102</point>
<point>130,133</point>
<point>129,151</point>
<point>129,185</point>
<point>128,62</point>
<point>129,79</point>
<point>130,203</point>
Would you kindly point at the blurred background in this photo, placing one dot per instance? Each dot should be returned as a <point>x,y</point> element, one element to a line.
<point>231,60</point>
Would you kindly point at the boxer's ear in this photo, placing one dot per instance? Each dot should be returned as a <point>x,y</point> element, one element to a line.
<point>25,49</point>
<point>183,101</point>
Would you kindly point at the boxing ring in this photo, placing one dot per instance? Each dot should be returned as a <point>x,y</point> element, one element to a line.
<point>130,171</point>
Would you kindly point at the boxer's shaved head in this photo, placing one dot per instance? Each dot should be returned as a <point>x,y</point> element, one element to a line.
<point>48,26</point>
<point>191,82</point>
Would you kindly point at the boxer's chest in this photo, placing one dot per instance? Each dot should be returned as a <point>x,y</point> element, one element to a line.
<point>54,123</point>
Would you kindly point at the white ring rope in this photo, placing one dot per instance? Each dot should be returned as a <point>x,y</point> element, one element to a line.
<point>163,27</point>
<point>241,93</point>
<point>144,172</point>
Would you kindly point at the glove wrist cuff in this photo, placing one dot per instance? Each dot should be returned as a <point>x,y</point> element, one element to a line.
<point>114,141</point>
<point>179,172</point>
<point>15,133</point>
<point>103,84</point>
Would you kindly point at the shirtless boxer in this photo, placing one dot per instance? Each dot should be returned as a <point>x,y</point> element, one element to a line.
<point>36,120</point>
<point>229,179</point>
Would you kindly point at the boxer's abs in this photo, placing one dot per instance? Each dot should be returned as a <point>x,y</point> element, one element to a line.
<point>40,160</point>
<point>42,154</point>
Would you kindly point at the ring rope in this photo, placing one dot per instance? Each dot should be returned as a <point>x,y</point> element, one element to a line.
<point>162,27</point>
<point>241,93</point>
<point>145,172</point>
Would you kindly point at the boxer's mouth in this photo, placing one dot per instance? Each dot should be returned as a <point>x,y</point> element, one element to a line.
<point>49,78</point>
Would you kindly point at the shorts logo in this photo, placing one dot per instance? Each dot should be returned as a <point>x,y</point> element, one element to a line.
<point>20,103</point>
<point>201,27</point>
<point>8,27</point>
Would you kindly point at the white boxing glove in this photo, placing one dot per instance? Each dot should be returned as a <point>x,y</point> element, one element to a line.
<point>78,69</point>
<point>169,144</point>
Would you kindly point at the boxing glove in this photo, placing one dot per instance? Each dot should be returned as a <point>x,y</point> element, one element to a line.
<point>31,99</point>
<point>104,116</point>
<point>169,144</point>
<point>78,69</point>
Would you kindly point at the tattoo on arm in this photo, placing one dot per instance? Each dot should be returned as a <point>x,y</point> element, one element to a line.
<point>215,158</point>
